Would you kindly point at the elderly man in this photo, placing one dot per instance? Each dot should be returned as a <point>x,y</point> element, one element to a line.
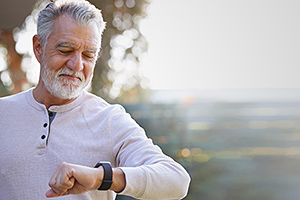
<point>59,135</point>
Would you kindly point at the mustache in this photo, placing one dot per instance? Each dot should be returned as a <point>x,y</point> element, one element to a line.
<point>69,72</point>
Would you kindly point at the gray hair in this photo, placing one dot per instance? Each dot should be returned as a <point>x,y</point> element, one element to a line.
<point>83,12</point>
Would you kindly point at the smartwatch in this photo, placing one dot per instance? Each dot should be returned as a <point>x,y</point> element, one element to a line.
<point>107,178</point>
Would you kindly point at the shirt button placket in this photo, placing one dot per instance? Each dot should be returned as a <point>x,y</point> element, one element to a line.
<point>41,145</point>
<point>45,126</point>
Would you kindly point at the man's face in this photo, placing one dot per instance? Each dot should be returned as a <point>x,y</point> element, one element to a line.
<point>69,58</point>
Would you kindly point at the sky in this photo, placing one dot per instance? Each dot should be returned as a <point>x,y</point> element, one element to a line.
<point>202,44</point>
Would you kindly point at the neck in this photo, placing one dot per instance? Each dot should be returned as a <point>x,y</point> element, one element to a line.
<point>43,96</point>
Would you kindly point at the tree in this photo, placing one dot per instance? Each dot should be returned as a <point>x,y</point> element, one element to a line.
<point>117,72</point>
<point>13,60</point>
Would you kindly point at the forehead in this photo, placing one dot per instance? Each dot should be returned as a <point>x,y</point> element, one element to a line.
<point>66,30</point>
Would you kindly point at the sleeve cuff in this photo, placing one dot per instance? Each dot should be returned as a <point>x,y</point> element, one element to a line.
<point>136,181</point>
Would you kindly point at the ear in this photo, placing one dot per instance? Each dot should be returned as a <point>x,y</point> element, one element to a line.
<point>37,48</point>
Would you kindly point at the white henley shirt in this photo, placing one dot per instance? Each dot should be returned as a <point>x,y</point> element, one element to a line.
<point>34,140</point>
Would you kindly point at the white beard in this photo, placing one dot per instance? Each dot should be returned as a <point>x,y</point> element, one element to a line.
<point>61,87</point>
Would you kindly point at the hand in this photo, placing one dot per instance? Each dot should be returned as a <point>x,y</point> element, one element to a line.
<point>74,179</point>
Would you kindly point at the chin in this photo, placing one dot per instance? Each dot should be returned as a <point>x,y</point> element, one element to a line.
<point>66,92</point>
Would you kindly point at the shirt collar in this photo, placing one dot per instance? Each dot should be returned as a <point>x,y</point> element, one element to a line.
<point>60,108</point>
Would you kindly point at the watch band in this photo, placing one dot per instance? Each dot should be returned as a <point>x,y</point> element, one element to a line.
<point>107,178</point>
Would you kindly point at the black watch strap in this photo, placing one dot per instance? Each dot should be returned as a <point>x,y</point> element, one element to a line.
<point>107,178</point>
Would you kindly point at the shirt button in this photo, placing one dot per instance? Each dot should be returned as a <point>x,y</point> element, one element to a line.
<point>45,125</point>
<point>43,137</point>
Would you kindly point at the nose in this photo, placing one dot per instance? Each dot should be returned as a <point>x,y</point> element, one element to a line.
<point>75,62</point>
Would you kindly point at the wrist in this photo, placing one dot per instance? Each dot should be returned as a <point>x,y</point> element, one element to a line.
<point>119,181</point>
<point>99,177</point>
<point>118,178</point>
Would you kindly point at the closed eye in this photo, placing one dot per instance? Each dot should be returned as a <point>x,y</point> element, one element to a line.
<point>88,56</point>
<point>65,52</point>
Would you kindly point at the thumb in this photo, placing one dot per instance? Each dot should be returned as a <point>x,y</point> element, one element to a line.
<point>50,193</point>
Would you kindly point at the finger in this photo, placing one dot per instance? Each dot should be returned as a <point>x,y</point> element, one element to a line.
<point>63,178</point>
<point>65,193</point>
<point>72,181</point>
<point>77,189</point>
<point>50,193</point>
<point>61,181</point>
<point>70,185</point>
<point>61,189</point>
<point>57,188</point>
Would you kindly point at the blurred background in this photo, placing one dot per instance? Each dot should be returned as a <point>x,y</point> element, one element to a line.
<point>214,83</point>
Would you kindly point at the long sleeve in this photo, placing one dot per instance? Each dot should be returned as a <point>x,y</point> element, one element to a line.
<point>149,173</point>
<point>84,132</point>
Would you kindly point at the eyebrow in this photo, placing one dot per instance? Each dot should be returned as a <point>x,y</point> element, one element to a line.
<point>65,44</point>
<point>69,45</point>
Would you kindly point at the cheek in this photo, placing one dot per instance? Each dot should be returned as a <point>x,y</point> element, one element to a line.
<point>88,72</point>
<point>55,63</point>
